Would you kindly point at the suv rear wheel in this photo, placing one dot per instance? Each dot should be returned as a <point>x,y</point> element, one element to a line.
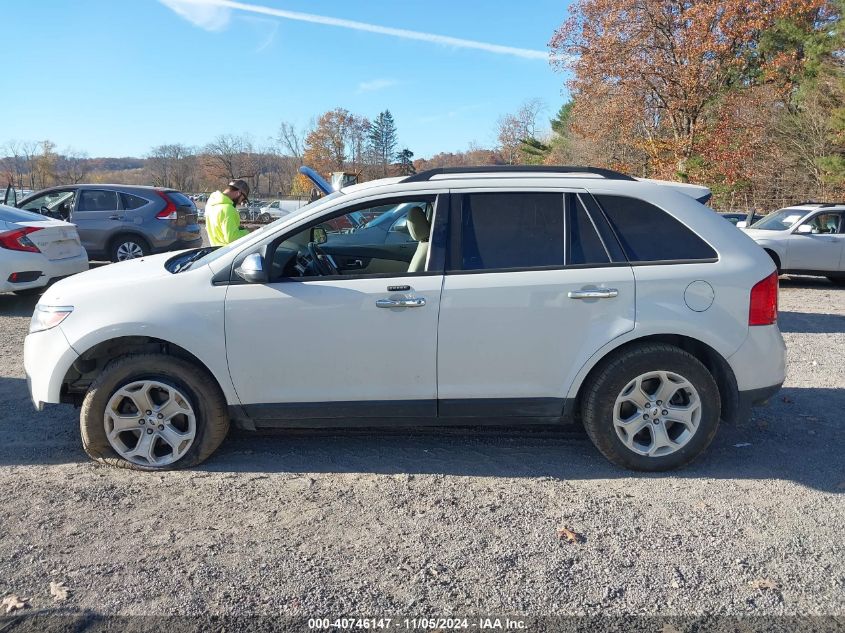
<point>126,247</point>
<point>653,407</point>
<point>153,412</point>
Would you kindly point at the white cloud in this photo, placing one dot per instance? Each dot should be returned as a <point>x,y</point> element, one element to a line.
<point>376,84</point>
<point>209,14</point>
<point>206,15</point>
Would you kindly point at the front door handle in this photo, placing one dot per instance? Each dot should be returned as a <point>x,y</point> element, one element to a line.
<point>598,293</point>
<point>416,302</point>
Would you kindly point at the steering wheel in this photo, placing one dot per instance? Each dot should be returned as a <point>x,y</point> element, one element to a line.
<point>324,263</point>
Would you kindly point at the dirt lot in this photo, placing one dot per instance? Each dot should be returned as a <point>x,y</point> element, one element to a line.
<point>440,522</point>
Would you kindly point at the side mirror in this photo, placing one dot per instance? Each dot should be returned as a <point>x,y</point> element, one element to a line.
<point>319,235</point>
<point>741,224</point>
<point>804,229</point>
<point>252,269</point>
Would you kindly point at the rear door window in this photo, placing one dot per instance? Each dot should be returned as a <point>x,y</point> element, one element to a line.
<point>649,234</point>
<point>97,200</point>
<point>511,230</point>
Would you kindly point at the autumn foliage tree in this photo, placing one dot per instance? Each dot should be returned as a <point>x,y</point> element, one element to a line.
<point>648,75</point>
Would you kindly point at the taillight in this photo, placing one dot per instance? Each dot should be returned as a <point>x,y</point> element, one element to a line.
<point>169,212</point>
<point>17,240</point>
<point>763,309</point>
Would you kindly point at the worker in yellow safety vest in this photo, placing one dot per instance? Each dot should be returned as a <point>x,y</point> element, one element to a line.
<point>222,220</point>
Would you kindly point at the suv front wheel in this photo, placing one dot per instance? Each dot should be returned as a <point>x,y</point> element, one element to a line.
<point>153,412</point>
<point>653,407</point>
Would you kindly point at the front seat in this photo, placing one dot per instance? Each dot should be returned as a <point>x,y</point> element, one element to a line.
<point>420,228</point>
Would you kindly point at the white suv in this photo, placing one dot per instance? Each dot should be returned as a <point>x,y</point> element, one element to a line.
<point>509,296</point>
<point>807,239</point>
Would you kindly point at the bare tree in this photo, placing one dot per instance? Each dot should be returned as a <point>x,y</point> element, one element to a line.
<point>291,140</point>
<point>72,166</point>
<point>173,165</point>
<point>231,156</point>
<point>512,130</point>
<point>14,162</point>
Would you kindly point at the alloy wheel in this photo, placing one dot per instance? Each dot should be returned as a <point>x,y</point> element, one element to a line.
<point>657,413</point>
<point>150,423</point>
<point>129,250</point>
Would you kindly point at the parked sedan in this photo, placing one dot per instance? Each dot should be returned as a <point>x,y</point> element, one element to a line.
<point>35,251</point>
<point>120,222</point>
<point>807,239</point>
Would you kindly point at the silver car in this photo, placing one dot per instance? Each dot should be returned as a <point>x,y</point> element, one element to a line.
<point>120,222</point>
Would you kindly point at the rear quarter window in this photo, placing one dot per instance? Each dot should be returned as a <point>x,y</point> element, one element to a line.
<point>649,234</point>
<point>180,199</point>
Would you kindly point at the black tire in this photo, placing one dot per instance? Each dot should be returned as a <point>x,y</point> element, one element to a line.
<point>131,242</point>
<point>244,216</point>
<point>264,217</point>
<point>837,281</point>
<point>31,292</point>
<point>212,419</point>
<point>775,259</point>
<point>608,383</point>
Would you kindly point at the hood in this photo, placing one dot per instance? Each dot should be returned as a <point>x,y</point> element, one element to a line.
<point>758,234</point>
<point>697,192</point>
<point>122,274</point>
<point>218,197</point>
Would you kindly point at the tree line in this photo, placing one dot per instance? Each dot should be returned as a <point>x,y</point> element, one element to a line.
<point>336,141</point>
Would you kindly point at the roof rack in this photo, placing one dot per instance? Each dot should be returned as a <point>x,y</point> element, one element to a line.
<point>555,169</point>
<point>822,205</point>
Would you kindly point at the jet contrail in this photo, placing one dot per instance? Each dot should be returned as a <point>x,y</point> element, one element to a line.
<point>370,28</point>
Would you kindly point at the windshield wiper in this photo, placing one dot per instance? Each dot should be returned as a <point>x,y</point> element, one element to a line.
<point>186,263</point>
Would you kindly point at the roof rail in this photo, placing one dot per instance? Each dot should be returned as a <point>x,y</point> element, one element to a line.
<point>821,205</point>
<point>555,169</point>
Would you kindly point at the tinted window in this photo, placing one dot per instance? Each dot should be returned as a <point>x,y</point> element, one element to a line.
<point>512,230</point>
<point>132,202</point>
<point>585,246</point>
<point>97,200</point>
<point>649,234</point>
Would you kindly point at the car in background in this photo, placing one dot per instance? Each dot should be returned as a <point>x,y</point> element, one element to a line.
<point>36,251</point>
<point>121,222</point>
<point>280,208</point>
<point>806,239</point>
<point>737,218</point>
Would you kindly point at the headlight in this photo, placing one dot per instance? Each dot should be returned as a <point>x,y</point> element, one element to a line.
<point>46,317</point>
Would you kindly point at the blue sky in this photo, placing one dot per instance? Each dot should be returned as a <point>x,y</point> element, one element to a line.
<point>117,77</point>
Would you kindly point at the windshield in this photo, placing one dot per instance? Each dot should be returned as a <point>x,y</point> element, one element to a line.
<point>780,220</point>
<point>308,208</point>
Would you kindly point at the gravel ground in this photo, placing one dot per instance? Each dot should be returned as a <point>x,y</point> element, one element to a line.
<point>432,522</point>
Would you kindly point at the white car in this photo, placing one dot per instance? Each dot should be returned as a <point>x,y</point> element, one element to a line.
<point>543,294</point>
<point>807,239</point>
<point>35,252</point>
<point>281,208</point>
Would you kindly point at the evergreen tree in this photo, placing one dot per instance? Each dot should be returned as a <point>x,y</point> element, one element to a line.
<point>383,140</point>
<point>406,162</point>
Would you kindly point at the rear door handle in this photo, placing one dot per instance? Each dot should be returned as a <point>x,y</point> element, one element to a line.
<point>417,302</point>
<point>598,293</point>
